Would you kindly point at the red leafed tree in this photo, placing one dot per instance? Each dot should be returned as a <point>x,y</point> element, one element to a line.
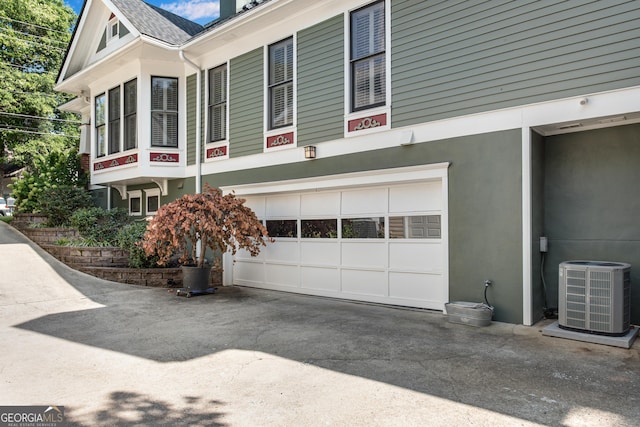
<point>220,222</point>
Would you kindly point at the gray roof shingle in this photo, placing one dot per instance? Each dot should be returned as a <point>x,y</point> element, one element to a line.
<point>158,23</point>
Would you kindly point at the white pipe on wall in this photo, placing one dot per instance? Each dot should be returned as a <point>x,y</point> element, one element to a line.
<point>198,120</point>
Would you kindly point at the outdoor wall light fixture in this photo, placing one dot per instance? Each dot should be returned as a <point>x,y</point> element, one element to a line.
<point>310,152</point>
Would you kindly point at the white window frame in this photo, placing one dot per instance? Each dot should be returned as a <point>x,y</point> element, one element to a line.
<point>113,23</point>
<point>292,128</point>
<point>349,114</point>
<point>148,193</point>
<point>125,116</point>
<point>135,194</point>
<point>286,82</point>
<point>114,125</point>
<point>100,126</point>
<point>165,111</point>
<point>211,105</point>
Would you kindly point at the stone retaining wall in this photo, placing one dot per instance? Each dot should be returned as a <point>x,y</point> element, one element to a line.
<point>43,236</point>
<point>105,263</point>
<point>155,277</point>
<point>78,257</point>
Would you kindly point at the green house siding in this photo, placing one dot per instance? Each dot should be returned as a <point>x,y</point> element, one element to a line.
<point>246,104</point>
<point>485,207</point>
<point>453,58</point>
<point>592,200</point>
<point>191,118</point>
<point>321,82</point>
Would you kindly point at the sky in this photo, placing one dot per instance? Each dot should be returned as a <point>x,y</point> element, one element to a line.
<point>200,11</point>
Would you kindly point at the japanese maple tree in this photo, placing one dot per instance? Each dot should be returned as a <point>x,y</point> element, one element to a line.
<point>220,222</point>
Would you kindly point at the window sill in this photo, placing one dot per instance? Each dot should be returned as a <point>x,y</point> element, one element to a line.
<point>280,139</point>
<point>367,121</point>
<point>215,151</point>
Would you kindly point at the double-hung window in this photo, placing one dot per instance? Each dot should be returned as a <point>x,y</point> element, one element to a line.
<point>130,114</point>
<point>100,104</point>
<point>368,62</point>
<point>164,112</point>
<point>281,84</point>
<point>114,120</point>
<point>218,103</point>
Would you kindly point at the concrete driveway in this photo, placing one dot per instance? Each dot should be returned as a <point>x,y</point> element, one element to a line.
<point>115,354</point>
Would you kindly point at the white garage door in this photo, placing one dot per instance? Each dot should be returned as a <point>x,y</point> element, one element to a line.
<point>382,243</point>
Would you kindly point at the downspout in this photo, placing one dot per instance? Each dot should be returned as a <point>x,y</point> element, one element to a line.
<point>198,120</point>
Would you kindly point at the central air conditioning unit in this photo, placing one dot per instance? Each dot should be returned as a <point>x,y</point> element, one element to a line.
<point>595,297</point>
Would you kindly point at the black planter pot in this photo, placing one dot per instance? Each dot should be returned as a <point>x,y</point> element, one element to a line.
<point>195,278</point>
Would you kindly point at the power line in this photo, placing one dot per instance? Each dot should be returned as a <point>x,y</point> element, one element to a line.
<point>26,66</point>
<point>35,42</point>
<point>21,128</point>
<point>6,18</point>
<point>17,92</point>
<point>7,30</point>
<point>2,129</point>
<point>27,116</point>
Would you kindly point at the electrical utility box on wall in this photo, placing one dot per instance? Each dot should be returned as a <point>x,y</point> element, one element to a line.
<point>595,297</point>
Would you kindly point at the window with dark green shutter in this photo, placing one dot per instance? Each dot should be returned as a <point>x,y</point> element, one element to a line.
<point>130,114</point>
<point>114,120</point>
<point>100,104</point>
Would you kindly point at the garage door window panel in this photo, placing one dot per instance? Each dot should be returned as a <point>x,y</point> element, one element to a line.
<point>287,228</point>
<point>415,227</point>
<point>363,228</point>
<point>319,228</point>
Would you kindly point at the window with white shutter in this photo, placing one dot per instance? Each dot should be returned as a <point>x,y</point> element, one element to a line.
<point>368,62</point>
<point>218,103</point>
<point>281,84</point>
<point>164,112</point>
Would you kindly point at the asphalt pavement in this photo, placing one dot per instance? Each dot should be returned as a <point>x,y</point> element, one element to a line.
<point>116,354</point>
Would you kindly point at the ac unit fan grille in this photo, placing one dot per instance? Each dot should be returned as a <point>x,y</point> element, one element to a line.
<point>600,301</point>
<point>595,296</point>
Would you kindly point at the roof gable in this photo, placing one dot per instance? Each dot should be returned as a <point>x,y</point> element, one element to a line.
<point>157,23</point>
<point>88,43</point>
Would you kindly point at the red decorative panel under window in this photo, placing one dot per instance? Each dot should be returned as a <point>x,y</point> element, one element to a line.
<point>368,122</point>
<point>164,157</point>
<point>216,152</point>
<point>120,161</point>
<point>280,140</point>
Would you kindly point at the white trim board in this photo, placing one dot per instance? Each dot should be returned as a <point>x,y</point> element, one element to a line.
<point>528,116</point>
<point>365,178</point>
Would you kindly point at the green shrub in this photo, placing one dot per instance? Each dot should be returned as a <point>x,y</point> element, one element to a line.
<point>99,225</point>
<point>48,171</point>
<point>129,238</point>
<point>59,203</point>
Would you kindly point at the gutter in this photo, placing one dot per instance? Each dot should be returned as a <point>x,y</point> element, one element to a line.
<point>198,120</point>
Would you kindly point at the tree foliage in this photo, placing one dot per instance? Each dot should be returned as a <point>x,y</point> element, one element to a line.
<point>47,171</point>
<point>34,35</point>
<point>59,203</point>
<point>97,225</point>
<point>129,238</point>
<point>220,223</point>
